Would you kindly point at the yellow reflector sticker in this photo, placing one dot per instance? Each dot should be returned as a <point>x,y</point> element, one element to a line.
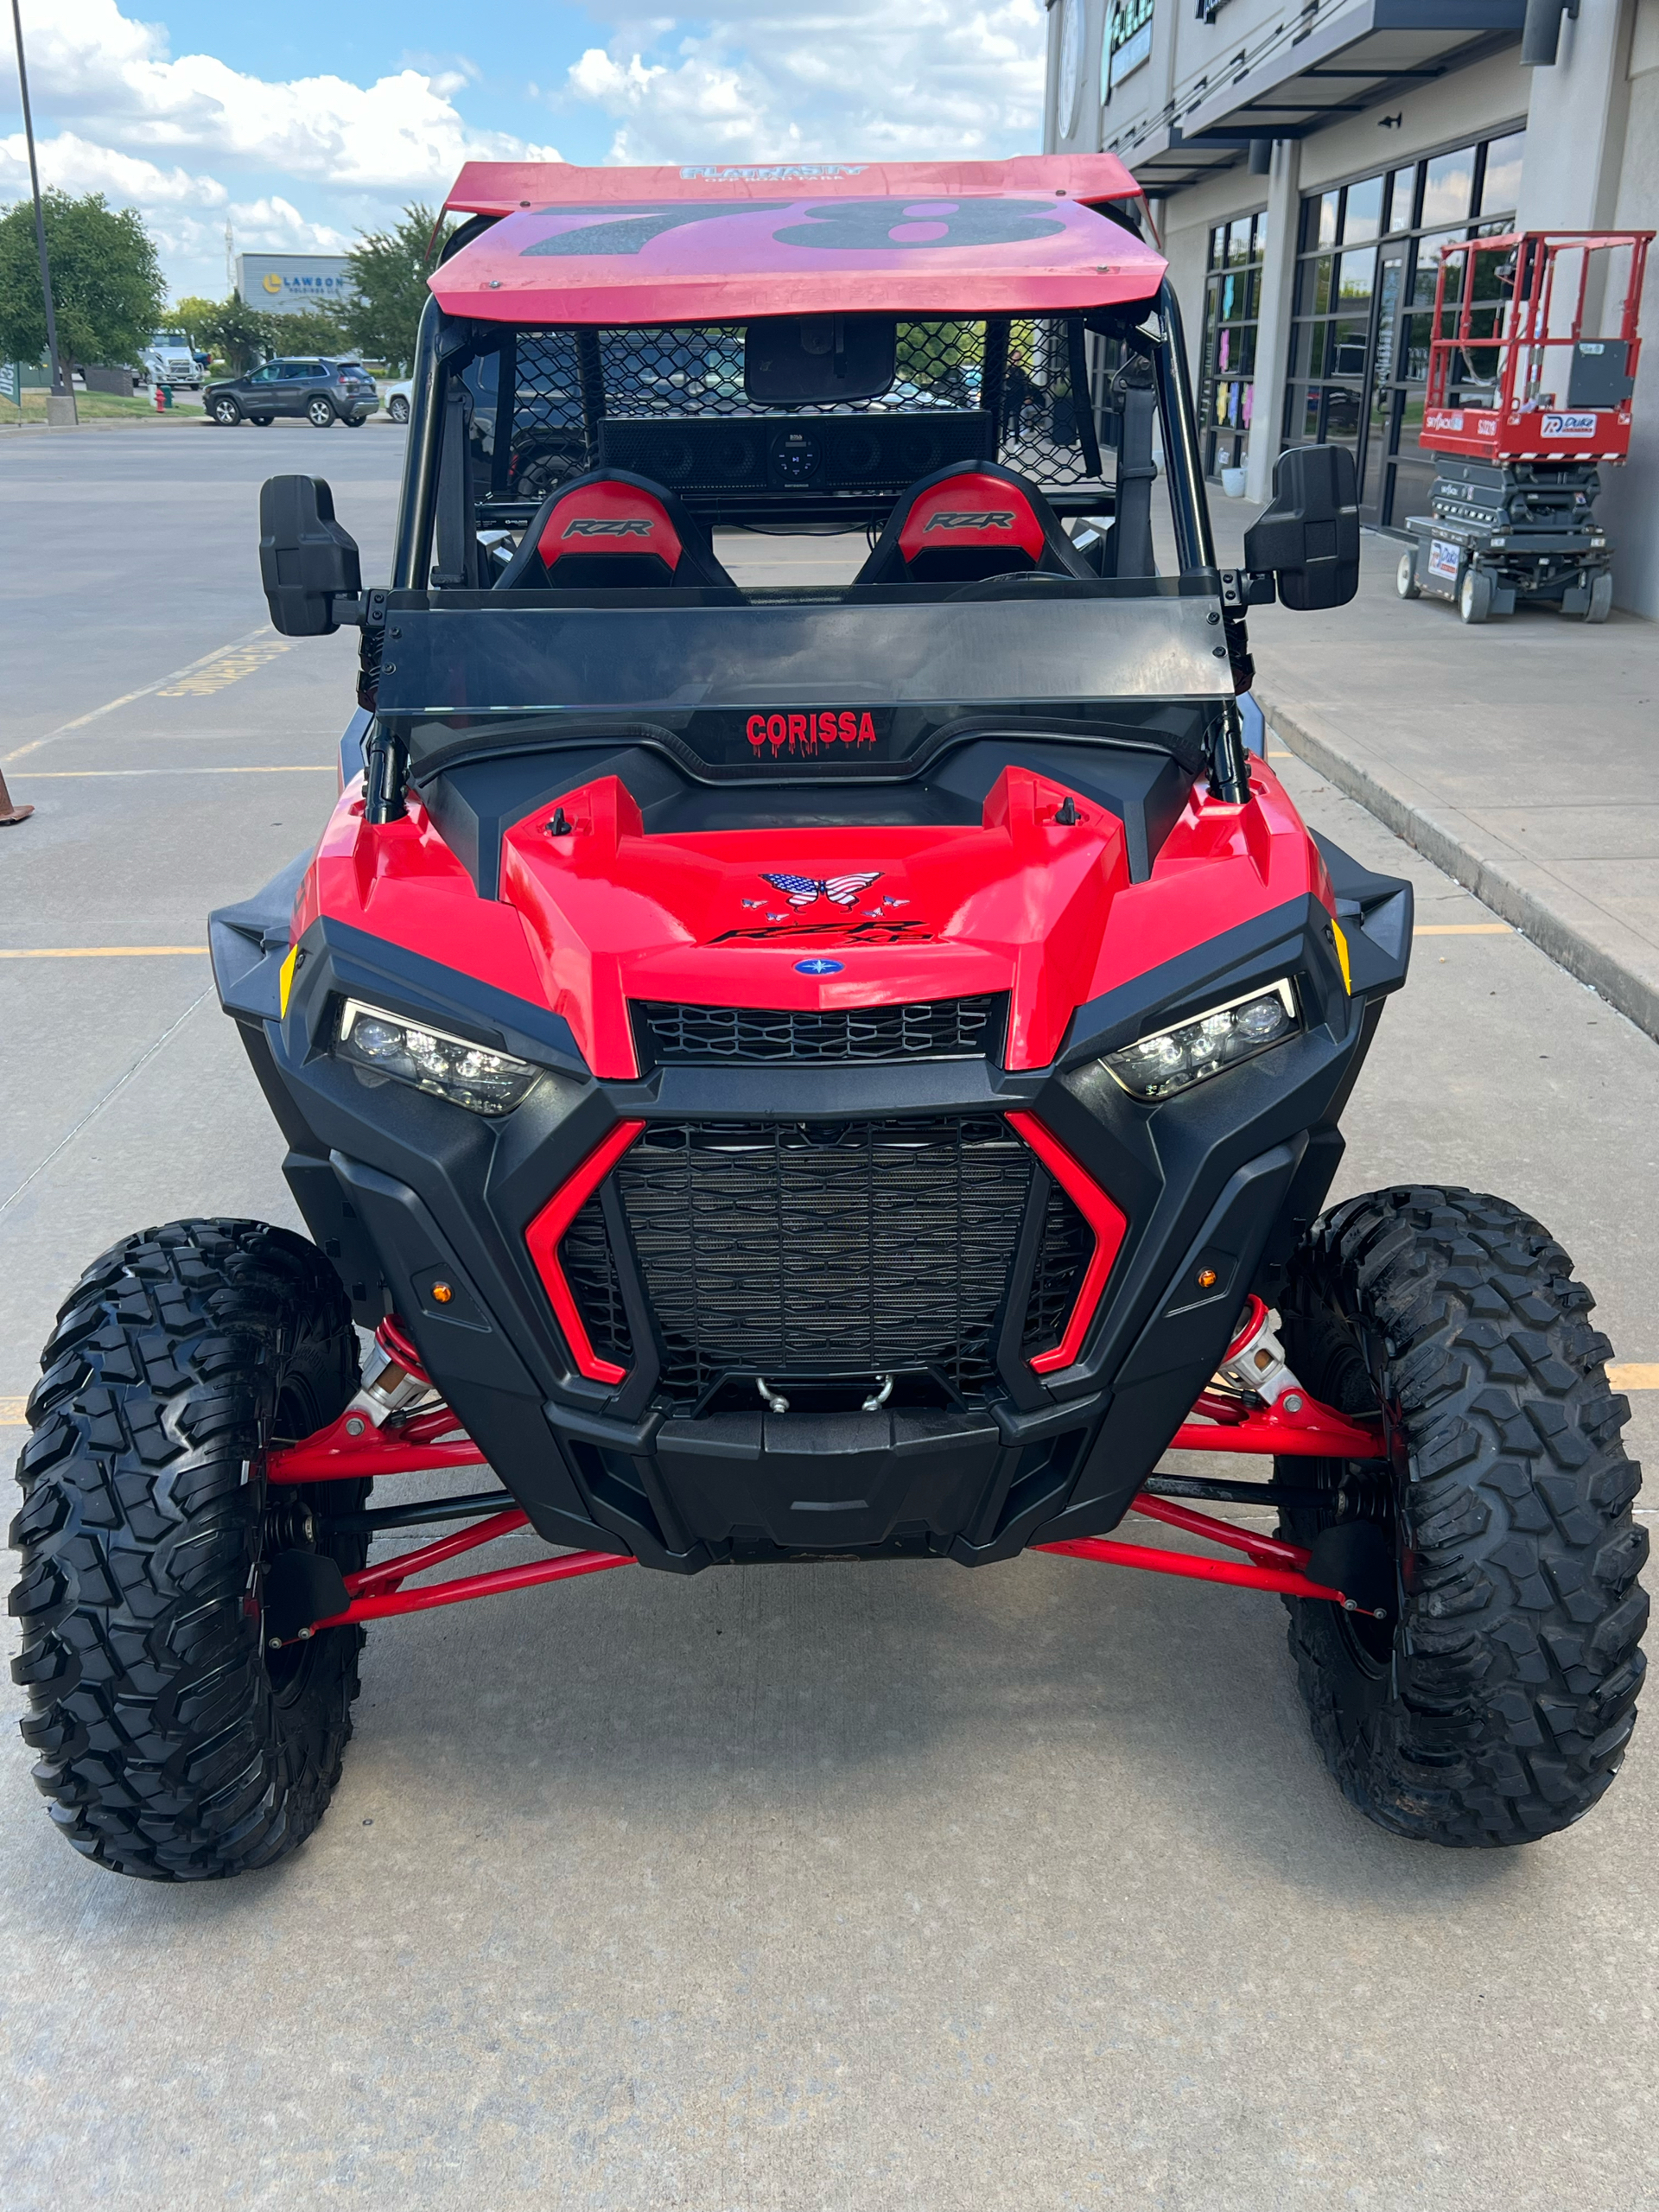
<point>286,980</point>
<point>1341,944</point>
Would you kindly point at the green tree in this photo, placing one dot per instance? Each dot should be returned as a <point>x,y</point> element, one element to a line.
<point>195,317</point>
<point>106,281</point>
<point>388,270</point>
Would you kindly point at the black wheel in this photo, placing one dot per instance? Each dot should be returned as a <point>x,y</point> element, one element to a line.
<point>225,411</point>
<point>264,422</point>
<point>397,408</point>
<point>1601,599</point>
<point>1494,1702</point>
<point>353,421</point>
<point>172,1743</point>
<point>320,412</point>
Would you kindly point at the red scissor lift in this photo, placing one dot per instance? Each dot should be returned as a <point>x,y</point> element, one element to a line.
<point>1524,405</point>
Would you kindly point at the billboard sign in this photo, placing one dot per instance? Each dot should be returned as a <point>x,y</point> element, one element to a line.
<point>292,283</point>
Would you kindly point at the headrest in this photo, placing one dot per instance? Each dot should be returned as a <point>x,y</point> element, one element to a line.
<point>961,525</point>
<point>609,528</point>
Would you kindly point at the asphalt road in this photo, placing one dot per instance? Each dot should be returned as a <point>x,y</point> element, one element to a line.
<point>820,1890</point>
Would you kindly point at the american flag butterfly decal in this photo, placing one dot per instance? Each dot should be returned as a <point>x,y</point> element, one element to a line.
<point>807,890</point>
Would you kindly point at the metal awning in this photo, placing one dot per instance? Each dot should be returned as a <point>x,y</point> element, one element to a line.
<point>1296,81</point>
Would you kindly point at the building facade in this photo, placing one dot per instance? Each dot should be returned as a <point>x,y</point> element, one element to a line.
<point>1305,163</point>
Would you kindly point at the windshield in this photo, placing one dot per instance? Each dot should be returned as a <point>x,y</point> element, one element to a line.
<point>816,544</point>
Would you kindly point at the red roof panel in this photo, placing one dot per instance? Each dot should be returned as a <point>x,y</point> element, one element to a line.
<point>502,187</point>
<point>720,248</point>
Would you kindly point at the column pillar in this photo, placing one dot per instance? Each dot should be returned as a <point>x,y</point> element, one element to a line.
<point>1272,326</point>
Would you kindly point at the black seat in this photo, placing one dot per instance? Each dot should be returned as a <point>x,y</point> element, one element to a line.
<point>609,530</point>
<point>962,524</point>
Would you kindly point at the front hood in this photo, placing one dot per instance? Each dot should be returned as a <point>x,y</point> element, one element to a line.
<point>1035,900</point>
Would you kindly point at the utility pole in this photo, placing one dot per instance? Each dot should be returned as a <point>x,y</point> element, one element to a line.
<point>60,400</point>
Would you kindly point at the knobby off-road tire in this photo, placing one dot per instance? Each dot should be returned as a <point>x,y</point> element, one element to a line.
<point>1495,1703</point>
<point>172,1745</point>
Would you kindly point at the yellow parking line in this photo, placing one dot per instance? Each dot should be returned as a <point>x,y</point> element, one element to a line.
<point>1633,1374</point>
<point>97,951</point>
<point>262,636</point>
<point>1463,929</point>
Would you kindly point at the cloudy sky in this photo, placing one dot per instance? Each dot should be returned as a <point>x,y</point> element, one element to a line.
<point>298,124</point>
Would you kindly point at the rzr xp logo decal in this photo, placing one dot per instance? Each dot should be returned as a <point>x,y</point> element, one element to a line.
<point>949,518</point>
<point>598,526</point>
<point>806,733</point>
<point>806,890</point>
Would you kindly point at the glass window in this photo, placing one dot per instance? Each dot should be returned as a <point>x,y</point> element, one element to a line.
<point>1362,216</point>
<point>1360,336</point>
<point>1449,187</point>
<point>1500,190</point>
<point>1355,275</point>
<point>1231,305</point>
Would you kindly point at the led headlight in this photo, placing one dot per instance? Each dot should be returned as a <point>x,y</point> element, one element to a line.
<point>1156,1067</point>
<point>383,1044</point>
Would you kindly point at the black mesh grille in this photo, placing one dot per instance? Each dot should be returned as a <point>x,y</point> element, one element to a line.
<point>945,1029</point>
<point>695,372</point>
<point>826,1247</point>
<point>1067,1247</point>
<point>590,1270</point>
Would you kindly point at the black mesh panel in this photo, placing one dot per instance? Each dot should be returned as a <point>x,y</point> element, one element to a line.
<point>694,372</point>
<point>1065,1251</point>
<point>589,1267</point>
<point>946,1029</point>
<point>826,1247</point>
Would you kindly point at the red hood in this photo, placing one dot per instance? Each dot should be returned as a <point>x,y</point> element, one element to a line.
<point>601,913</point>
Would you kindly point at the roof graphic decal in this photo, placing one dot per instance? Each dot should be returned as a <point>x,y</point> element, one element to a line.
<point>678,256</point>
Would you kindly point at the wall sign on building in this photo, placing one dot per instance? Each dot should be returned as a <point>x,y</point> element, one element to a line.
<point>1128,42</point>
<point>292,283</point>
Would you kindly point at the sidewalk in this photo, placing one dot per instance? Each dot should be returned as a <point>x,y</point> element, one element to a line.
<point>1519,757</point>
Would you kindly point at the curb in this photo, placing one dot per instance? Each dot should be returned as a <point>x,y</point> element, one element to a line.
<point>1634,993</point>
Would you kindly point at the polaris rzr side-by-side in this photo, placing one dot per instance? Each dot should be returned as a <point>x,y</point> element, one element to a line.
<point>784,1071</point>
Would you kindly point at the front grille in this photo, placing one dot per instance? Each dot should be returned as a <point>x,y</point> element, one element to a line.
<point>944,1029</point>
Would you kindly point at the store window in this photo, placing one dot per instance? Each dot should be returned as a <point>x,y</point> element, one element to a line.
<point>1369,253</point>
<point>1232,303</point>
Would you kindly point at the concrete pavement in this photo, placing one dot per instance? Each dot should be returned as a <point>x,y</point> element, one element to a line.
<point>829,1889</point>
<point>1518,755</point>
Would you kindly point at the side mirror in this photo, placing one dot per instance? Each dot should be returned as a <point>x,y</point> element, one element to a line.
<point>1309,537</point>
<point>306,561</point>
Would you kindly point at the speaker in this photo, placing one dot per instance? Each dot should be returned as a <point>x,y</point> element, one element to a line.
<point>806,452</point>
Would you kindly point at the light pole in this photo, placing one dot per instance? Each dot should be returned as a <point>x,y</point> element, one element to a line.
<point>60,400</point>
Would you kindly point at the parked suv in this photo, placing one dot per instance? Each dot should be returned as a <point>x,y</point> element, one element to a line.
<point>323,391</point>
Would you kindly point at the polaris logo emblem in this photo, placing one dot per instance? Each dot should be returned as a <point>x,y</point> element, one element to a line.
<point>598,527</point>
<point>949,518</point>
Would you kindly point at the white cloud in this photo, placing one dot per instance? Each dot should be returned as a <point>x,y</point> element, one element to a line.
<point>932,78</point>
<point>402,134</point>
<point>68,163</point>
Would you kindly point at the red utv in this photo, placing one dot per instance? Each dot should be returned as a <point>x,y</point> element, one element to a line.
<point>785,1069</point>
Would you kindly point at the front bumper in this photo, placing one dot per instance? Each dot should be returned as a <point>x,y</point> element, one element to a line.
<point>404,1191</point>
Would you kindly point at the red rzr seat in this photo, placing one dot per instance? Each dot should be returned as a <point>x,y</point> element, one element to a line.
<point>961,525</point>
<point>611,529</point>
